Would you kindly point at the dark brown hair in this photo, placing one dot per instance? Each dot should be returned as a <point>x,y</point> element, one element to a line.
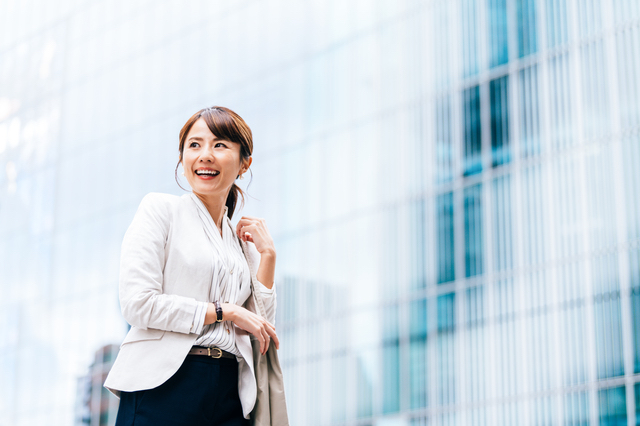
<point>227,125</point>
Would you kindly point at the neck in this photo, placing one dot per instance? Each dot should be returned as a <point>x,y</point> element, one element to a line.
<point>215,207</point>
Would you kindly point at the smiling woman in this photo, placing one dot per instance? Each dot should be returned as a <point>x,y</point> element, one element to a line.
<point>217,136</point>
<point>201,310</point>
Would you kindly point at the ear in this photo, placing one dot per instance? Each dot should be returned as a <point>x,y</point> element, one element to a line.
<point>247,164</point>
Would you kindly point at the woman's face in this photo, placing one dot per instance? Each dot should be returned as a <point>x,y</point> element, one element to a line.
<point>210,164</point>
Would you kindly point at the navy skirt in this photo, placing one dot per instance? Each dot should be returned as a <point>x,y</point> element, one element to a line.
<point>204,391</point>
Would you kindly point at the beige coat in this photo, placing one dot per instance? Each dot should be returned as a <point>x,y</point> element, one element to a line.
<point>165,268</point>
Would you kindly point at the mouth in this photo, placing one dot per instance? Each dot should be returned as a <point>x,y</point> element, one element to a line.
<point>207,174</point>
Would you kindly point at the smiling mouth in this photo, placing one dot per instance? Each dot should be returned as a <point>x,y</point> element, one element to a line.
<point>207,172</point>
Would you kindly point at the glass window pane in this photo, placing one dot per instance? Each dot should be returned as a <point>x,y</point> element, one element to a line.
<point>446,352</point>
<point>499,96</point>
<point>589,17</point>
<point>628,70</point>
<point>561,133</point>
<point>502,224</point>
<point>474,306</point>
<point>529,112</point>
<point>390,360</point>
<point>630,161</point>
<point>418,319</point>
<point>543,412</point>
<point>595,90</point>
<point>364,382</point>
<point>418,378</point>
<point>418,241</point>
<point>419,421</point>
<point>473,230</point>
<point>557,33</point>
<point>613,407</point>
<point>576,409</point>
<point>446,313</point>
<point>445,243</point>
<point>444,147</point>
<point>498,41</point>
<point>637,392</point>
<point>527,43</point>
<point>635,312</point>
<point>475,346</point>
<point>391,377</point>
<point>472,131</point>
<point>608,336</point>
<point>418,353</point>
<point>469,37</point>
<point>338,389</point>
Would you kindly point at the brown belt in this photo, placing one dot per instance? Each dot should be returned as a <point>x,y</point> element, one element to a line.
<point>212,352</point>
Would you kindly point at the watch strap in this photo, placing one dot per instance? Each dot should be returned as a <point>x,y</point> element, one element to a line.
<point>218,311</point>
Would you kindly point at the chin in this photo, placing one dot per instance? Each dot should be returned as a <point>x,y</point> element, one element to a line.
<point>205,190</point>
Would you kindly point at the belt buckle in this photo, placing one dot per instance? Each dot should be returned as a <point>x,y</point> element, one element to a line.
<point>216,356</point>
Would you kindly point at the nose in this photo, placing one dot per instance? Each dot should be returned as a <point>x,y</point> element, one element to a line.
<point>207,154</point>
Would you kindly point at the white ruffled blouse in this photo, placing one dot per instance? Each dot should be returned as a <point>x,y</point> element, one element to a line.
<point>231,281</point>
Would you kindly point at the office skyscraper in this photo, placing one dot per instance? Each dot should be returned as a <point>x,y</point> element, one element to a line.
<point>452,187</point>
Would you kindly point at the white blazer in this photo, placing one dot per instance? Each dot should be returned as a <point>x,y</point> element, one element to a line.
<point>165,269</point>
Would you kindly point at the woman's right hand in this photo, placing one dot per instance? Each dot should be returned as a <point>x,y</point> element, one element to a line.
<point>262,329</point>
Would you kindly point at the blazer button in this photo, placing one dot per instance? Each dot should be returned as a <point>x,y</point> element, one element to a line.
<point>231,271</point>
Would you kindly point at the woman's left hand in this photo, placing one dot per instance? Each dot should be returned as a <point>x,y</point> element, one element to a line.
<point>254,229</point>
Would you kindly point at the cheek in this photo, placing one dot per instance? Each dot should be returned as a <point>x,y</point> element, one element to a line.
<point>187,158</point>
<point>231,162</point>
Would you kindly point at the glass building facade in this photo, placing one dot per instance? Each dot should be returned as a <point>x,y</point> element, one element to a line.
<point>452,187</point>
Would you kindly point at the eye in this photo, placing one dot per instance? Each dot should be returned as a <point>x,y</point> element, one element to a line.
<point>219,143</point>
<point>192,143</point>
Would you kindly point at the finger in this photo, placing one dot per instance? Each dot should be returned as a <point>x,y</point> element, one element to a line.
<point>261,340</point>
<point>269,331</point>
<point>239,229</point>
<point>241,224</point>
<point>245,222</point>
<point>244,235</point>
<point>246,229</point>
<point>274,336</point>
<point>247,236</point>
<point>252,224</point>
<point>250,218</point>
<point>262,336</point>
<point>266,341</point>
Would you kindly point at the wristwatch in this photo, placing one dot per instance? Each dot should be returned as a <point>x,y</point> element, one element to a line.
<point>218,311</point>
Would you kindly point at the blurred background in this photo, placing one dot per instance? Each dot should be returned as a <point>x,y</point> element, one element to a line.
<point>452,187</point>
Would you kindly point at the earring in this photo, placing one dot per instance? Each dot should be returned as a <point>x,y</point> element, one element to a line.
<point>182,173</point>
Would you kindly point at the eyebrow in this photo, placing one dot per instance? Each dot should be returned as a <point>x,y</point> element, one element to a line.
<point>198,138</point>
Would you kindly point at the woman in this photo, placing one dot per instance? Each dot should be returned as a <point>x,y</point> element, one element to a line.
<point>185,288</point>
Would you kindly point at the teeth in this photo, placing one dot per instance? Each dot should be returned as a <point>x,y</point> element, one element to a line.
<point>207,172</point>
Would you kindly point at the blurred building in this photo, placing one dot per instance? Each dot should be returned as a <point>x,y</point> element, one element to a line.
<point>452,187</point>
<point>95,405</point>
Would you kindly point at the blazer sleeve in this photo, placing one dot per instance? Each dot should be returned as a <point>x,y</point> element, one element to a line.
<point>142,261</point>
<point>269,301</point>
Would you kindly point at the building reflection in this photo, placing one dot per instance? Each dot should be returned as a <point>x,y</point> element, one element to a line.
<point>95,405</point>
